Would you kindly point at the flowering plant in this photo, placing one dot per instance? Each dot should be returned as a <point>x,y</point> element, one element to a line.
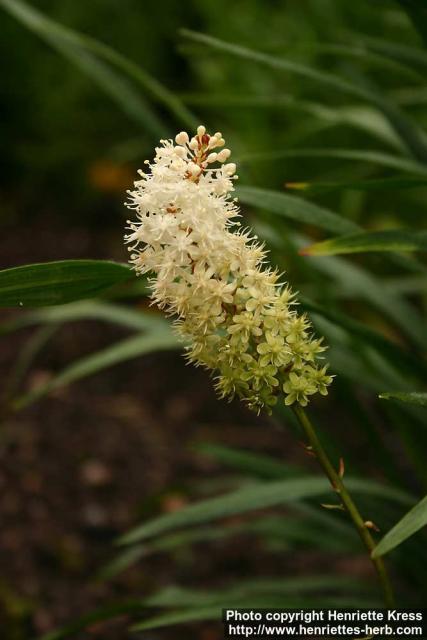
<point>353,109</point>
<point>234,314</point>
<point>232,311</point>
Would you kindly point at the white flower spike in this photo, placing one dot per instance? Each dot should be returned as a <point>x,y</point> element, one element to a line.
<point>236,318</point>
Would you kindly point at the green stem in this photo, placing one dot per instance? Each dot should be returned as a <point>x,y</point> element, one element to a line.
<point>339,487</point>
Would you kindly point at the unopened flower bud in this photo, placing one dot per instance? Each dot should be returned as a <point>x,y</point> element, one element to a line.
<point>193,168</point>
<point>230,168</point>
<point>213,142</point>
<point>201,130</point>
<point>212,157</point>
<point>223,155</point>
<point>182,138</point>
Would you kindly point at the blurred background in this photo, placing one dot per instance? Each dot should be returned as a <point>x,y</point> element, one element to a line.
<point>327,93</point>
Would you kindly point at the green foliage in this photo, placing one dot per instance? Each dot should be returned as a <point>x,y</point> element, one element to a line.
<point>89,55</point>
<point>415,397</point>
<point>133,347</point>
<point>365,156</point>
<point>327,123</point>
<point>412,137</point>
<point>402,240</point>
<point>272,593</point>
<point>412,522</point>
<point>250,498</point>
<point>38,285</point>
<point>192,605</point>
<point>295,209</point>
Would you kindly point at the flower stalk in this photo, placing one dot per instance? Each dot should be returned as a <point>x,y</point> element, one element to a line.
<point>336,480</point>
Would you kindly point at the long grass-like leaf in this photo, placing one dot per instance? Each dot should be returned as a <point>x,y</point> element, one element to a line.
<point>295,208</point>
<point>50,283</point>
<point>175,596</point>
<point>365,54</point>
<point>402,53</point>
<point>389,240</point>
<point>248,499</point>
<point>418,398</point>
<point>140,320</point>
<point>365,156</point>
<point>382,184</point>
<point>412,522</point>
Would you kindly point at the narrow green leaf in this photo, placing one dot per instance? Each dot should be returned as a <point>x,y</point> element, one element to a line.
<point>383,184</point>
<point>250,498</point>
<point>390,240</point>
<point>130,318</point>
<point>365,54</point>
<point>175,596</point>
<point>415,397</point>
<point>35,285</point>
<point>127,349</point>
<point>358,155</point>
<point>295,208</point>
<point>412,522</point>
<point>407,285</point>
<point>403,53</point>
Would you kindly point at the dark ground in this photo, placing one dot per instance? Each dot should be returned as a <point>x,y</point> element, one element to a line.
<point>82,466</point>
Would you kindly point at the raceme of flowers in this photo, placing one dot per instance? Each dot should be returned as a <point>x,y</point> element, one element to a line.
<point>235,316</point>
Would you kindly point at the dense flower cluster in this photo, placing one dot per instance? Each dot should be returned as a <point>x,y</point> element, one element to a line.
<point>235,316</point>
